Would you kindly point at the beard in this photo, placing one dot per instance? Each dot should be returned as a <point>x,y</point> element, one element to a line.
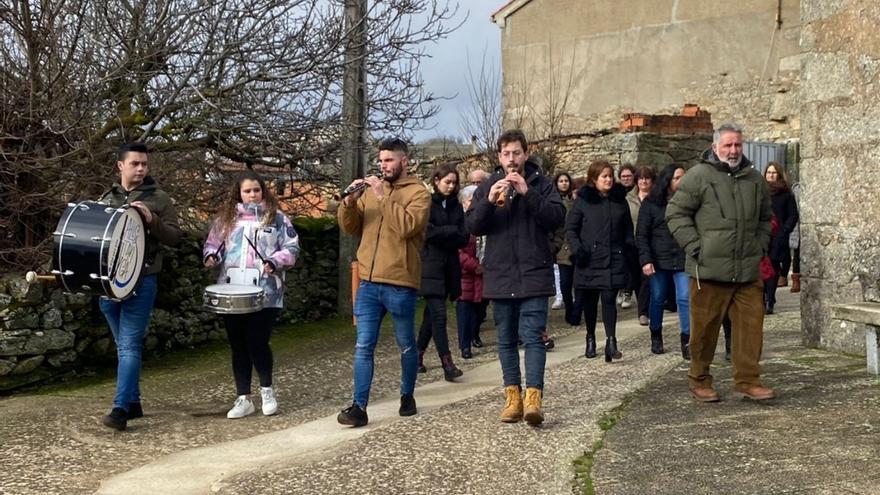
<point>733,163</point>
<point>393,176</point>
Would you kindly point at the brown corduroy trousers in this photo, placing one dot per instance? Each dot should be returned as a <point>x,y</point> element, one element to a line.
<point>744,304</point>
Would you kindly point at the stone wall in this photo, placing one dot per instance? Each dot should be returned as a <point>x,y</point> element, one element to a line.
<point>841,165</point>
<point>593,61</point>
<point>574,153</point>
<point>45,333</point>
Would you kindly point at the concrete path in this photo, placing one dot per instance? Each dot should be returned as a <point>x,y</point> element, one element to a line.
<point>210,469</point>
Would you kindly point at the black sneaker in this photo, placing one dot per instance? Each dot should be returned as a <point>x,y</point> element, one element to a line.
<point>477,342</point>
<point>407,405</point>
<point>117,419</point>
<point>353,415</point>
<point>135,410</point>
<point>467,354</point>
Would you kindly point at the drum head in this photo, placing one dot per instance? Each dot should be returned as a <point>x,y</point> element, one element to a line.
<point>233,290</point>
<point>125,255</point>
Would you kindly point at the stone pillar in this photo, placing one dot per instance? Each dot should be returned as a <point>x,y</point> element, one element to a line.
<point>840,170</point>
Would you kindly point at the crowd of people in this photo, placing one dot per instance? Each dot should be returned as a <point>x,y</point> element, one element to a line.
<point>711,243</point>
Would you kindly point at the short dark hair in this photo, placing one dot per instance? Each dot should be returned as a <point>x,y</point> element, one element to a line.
<point>137,147</point>
<point>626,166</point>
<point>394,144</point>
<point>595,170</point>
<point>512,135</point>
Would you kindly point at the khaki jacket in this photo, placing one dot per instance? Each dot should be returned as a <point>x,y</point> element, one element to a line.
<point>162,230</point>
<point>392,232</point>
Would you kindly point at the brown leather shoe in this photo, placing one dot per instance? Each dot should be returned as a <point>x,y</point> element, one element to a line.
<point>705,394</point>
<point>757,392</point>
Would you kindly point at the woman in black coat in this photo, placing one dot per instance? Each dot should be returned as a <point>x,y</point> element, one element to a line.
<point>441,270</point>
<point>662,259</point>
<point>785,209</point>
<point>599,231</point>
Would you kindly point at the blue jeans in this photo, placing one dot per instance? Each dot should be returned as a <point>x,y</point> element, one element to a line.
<point>128,322</point>
<point>525,318</point>
<point>373,300</point>
<point>661,282</point>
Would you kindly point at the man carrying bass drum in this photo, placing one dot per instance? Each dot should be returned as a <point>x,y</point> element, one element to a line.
<point>128,319</point>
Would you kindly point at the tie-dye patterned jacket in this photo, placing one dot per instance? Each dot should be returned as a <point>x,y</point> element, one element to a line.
<point>277,242</point>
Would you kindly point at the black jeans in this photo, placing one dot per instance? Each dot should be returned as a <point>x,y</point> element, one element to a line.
<point>434,325</point>
<point>770,285</point>
<point>588,300</point>
<point>248,336</point>
<point>796,261</point>
<point>644,296</point>
<point>566,281</point>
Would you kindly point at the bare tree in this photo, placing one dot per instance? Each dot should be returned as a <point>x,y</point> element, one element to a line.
<point>258,82</point>
<point>482,121</point>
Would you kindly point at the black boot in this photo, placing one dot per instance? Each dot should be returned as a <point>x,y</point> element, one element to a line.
<point>611,351</point>
<point>657,341</point>
<point>590,352</point>
<point>686,347</point>
<point>450,371</point>
<point>421,368</point>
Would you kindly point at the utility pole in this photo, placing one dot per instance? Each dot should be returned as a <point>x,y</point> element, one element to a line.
<point>354,88</point>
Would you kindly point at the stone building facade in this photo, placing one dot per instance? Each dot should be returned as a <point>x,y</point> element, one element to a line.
<point>572,66</point>
<point>840,214</point>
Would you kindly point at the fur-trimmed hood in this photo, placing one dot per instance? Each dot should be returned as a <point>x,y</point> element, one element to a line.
<point>591,195</point>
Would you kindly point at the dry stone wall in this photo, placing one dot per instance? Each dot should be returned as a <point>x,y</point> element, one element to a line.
<point>45,333</point>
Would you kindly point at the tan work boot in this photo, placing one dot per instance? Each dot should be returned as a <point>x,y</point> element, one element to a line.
<point>513,407</point>
<point>533,414</point>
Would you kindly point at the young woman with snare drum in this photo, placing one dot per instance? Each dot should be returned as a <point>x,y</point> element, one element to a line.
<point>253,243</point>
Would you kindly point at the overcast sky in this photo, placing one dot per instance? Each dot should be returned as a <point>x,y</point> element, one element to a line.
<point>445,71</point>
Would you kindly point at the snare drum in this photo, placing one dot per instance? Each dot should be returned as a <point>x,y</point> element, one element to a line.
<point>99,249</point>
<point>233,299</point>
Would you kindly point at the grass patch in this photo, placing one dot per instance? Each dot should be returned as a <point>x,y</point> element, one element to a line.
<point>583,465</point>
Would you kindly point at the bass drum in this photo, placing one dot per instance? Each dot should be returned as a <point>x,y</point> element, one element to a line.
<point>100,249</point>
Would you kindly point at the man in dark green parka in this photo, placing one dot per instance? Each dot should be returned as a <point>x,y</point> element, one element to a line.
<point>720,216</point>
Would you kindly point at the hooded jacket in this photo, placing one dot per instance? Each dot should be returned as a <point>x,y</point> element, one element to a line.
<point>392,231</point>
<point>441,270</point>
<point>276,242</point>
<point>518,262</point>
<point>721,219</point>
<point>162,230</point>
<point>600,232</point>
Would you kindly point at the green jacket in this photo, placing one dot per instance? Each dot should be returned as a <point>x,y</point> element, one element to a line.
<point>163,229</point>
<point>721,219</point>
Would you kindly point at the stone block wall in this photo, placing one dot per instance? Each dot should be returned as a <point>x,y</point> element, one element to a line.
<point>840,214</point>
<point>574,153</point>
<point>45,333</point>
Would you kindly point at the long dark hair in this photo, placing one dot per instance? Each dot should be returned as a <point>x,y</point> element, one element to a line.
<point>227,215</point>
<point>660,192</point>
<point>570,193</point>
<point>442,171</point>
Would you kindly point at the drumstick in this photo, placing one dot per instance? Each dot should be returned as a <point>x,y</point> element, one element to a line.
<point>216,254</point>
<point>255,249</point>
<point>33,277</point>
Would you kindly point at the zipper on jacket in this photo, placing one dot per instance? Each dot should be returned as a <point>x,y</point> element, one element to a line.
<point>378,234</point>
<point>718,198</point>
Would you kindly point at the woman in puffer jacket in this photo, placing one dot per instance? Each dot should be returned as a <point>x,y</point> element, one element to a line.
<point>600,232</point>
<point>253,243</point>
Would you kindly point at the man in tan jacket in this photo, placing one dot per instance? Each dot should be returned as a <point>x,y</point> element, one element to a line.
<point>390,215</point>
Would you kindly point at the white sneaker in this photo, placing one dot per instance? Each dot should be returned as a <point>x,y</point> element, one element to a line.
<point>242,407</point>
<point>557,305</point>
<point>627,301</point>
<point>270,405</point>
<point>619,297</point>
